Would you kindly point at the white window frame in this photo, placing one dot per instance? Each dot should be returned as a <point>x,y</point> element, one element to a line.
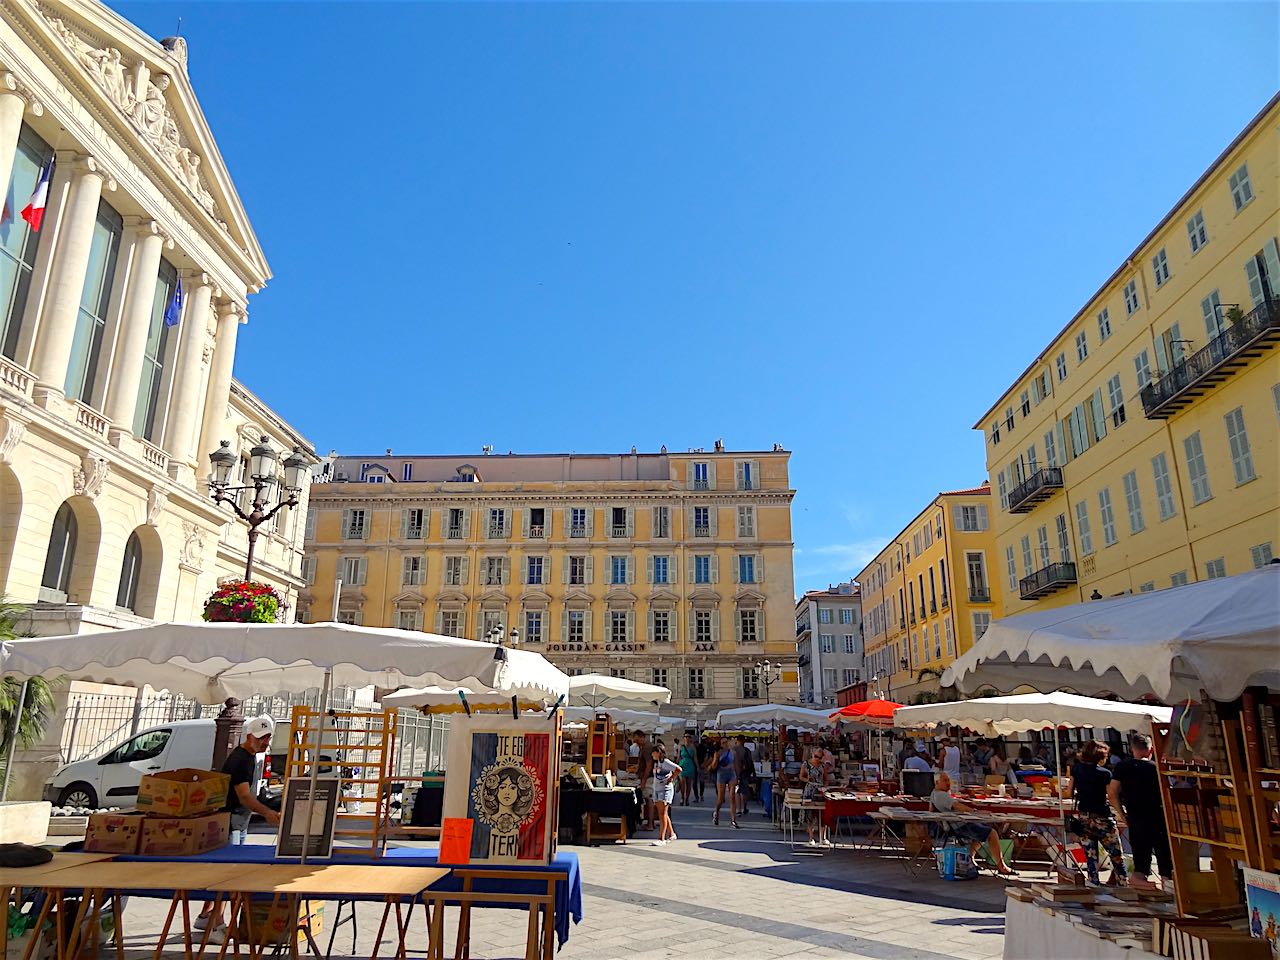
<point>1197,233</point>
<point>1082,346</point>
<point>1238,440</point>
<point>1241,187</point>
<point>1197,471</point>
<point>1160,267</point>
<point>1061,363</point>
<point>1083,530</point>
<point>1215,569</point>
<point>1261,554</point>
<point>1131,302</point>
<point>1133,502</point>
<point>1107,517</point>
<point>1142,366</point>
<point>1104,324</point>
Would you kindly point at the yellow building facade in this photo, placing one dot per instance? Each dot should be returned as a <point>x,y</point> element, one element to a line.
<point>929,594</point>
<point>1139,450</point>
<point>665,568</point>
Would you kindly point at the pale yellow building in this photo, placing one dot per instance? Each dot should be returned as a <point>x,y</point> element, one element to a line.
<point>663,567</point>
<point>929,595</point>
<point>1139,450</point>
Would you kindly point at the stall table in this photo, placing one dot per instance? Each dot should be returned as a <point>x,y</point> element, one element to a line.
<point>13,879</point>
<point>1031,933</point>
<point>619,802</point>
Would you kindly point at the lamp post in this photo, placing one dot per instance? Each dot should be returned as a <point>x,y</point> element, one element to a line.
<point>497,635</point>
<point>768,673</point>
<point>262,474</point>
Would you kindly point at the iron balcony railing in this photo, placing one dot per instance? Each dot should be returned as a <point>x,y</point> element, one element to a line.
<point>535,531</point>
<point>1046,580</point>
<point>1251,335</point>
<point>1037,487</point>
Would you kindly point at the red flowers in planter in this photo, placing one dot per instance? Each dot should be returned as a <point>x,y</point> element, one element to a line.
<point>243,601</point>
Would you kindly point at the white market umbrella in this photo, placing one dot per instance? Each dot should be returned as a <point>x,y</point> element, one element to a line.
<point>436,699</point>
<point>769,716</point>
<point>1221,635</point>
<point>598,690</point>
<point>997,716</point>
<point>627,719</point>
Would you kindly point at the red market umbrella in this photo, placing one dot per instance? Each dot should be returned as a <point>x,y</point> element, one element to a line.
<point>872,713</point>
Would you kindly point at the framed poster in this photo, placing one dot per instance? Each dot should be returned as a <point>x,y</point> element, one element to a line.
<point>303,817</point>
<point>503,775</point>
<point>1262,902</point>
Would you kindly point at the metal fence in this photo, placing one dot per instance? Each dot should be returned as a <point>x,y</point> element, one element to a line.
<point>422,742</point>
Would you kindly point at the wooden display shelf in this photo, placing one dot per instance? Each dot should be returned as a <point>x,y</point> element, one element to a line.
<point>1207,841</point>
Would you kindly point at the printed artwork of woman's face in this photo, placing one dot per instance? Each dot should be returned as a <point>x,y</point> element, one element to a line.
<point>507,792</point>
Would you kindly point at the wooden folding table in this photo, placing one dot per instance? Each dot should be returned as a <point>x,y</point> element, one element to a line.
<point>13,879</point>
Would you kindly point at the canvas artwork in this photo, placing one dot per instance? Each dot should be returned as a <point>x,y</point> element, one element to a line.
<point>503,776</point>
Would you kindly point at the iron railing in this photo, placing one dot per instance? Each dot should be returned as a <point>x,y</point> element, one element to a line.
<point>1037,487</point>
<point>1046,580</point>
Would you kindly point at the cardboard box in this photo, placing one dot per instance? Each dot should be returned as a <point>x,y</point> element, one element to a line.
<point>113,833</point>
<point>183,793</point>
<point>183,836</point>
<point>271,922</point>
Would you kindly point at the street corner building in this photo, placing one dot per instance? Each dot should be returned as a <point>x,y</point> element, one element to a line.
<point>126,265</point>
<point>829,650</point>
<point>668,568</point>
<point>1139,449</point>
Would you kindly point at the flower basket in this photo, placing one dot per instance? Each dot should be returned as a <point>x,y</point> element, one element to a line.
<point>243,601</point>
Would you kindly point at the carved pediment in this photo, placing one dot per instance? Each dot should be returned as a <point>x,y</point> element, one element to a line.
<point>577,593</point>
<point>534,594</point>
<point>620,594</point>
<point>748,597</point>
<point>704,595</point>
<point>409,598</point>
<point>663,594</point>
<point>452,595</point>
<point>494,595</point>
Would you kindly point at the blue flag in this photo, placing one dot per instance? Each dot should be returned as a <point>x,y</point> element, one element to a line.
<point>174,310</point>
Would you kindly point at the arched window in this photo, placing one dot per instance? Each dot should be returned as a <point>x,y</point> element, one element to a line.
<point>61,555</point>
<point>130,574</point>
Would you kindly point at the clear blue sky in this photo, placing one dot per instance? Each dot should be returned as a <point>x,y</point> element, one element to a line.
<point>843,228</point>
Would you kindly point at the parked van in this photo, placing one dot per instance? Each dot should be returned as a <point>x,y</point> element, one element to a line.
<point>111,780</point>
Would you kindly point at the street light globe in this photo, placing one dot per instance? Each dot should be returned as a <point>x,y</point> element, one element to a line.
<point>262,464</point>
<point>295,469</point>
<point>223,461</point>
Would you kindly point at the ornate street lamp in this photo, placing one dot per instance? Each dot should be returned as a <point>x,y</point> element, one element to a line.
<point>262,474</point>
<point>768,673</point>
<point>498,636</point>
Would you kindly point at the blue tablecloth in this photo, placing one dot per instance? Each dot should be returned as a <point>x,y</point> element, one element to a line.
<point>568,893</point>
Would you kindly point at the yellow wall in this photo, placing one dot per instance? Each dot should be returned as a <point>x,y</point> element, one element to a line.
<point>1239,516</point>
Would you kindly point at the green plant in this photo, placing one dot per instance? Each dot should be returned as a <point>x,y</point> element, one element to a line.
<point>1234,315</point>
<point>37,707</point>
<point>243,601</point>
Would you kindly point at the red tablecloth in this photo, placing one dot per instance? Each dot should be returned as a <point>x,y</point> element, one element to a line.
<point>863,806</point>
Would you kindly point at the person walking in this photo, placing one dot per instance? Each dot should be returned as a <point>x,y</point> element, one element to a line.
<point>688,760</point>
<point>664,792</point>
<point>1134,793</point>
<point>726,774</point>
<point>745,767</point>
<point>1095,823</point>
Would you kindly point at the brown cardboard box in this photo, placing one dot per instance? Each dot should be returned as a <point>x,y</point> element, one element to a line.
<point>187,792</point>
<point>271,924</point>
<point>113,833</point>
<point>183,836</point>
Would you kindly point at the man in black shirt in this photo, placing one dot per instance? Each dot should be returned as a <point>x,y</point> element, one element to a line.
<point>1135,794</point>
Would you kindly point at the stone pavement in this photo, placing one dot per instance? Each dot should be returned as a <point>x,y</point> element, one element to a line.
<point>717,893</point>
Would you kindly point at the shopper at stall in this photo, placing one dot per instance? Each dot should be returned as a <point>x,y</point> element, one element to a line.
<point>1095,822</point>
<point>687,757</point>
<point>1134,793</point>
<point>949,759</point>
<point>813,774</point>
<point>722,767</point>
<point>919,761</point>
<point>999,766</point>
<point>664,792</point>
<point>975,834</point>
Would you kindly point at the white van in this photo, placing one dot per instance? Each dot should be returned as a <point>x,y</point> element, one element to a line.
<point>111,780</point>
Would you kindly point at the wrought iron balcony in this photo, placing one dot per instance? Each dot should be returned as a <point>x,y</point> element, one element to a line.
<point>1036,488</point>
<point>1249,337</point>
<point>1046,580</point>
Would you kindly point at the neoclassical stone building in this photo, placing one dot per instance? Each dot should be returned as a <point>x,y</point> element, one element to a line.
<point>112,391</point>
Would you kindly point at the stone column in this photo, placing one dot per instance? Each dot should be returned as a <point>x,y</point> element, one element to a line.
<point>58,325</point>
<point>230,316</point>
<point>14,99</point>
<point>185,401</point>
<point>135,326</point>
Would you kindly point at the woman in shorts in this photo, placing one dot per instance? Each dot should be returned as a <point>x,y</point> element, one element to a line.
<point>726,781</point>
<point>664,792</point>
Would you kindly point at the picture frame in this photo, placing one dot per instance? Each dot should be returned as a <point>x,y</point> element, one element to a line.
<point>503,774</point>
<point>298,804</point>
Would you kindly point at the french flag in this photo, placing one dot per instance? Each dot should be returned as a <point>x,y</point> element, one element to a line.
<point>33,212</point>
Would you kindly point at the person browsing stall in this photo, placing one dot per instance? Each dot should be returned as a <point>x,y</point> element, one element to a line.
<point>814,777</point>
<point>949,759</point>
<point>972,832</point>
<point>1134,792</point>
<point>1095,823</point>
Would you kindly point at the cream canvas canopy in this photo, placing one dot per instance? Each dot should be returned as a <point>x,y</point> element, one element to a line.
<point>627,719</point>
<point>449,699</point>
<point>768,716</point>
<point>212,661</point>
<point>598,690</point>
<point>1221,635</point>
<point>997,716</point>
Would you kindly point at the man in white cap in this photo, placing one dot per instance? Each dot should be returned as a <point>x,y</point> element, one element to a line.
<point>241,766</point>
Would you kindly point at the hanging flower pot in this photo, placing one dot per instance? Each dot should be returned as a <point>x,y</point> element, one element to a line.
<point>243,601</point>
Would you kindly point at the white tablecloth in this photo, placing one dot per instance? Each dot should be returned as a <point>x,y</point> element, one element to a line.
<point>1032,934</point>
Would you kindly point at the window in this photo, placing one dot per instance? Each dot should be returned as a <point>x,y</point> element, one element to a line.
<point>1133,502</point>
<point>661,522</point>
<point>619,632</point>
<point>746,568</point>
<point>750,684</point>
<point>95,298</point>
<point>1197,233</point>
<point>1082,346</point>
<point>1263,272</point>
<point>1026,403</point>
<point>1241,188</point>
<point>619,570</point>
<point>1008,419</point>
<point>1142,364</point>
<point>354,570</point>
<point>746,521</point>
<point>973,519</point>
<point>147,412</point>
<point>619,522</point>
<point>661,626</point>
<point>1078,424</point>
<point>661,566</point>
<point>658,676</point>
<point>824,616</point>
<point>1064,538</point>
<point>701,476</point>
<point>849,643</point>
<point>1261,554</point>
<point>1215,569</point>
<point>1131,303</point>
<point>131,573</point>
<point>846,615</point>
<point>497,523</point>
<point>827,642</point>
<point>308,570</point>
<point>995,432</point>
<point>578,522</point>
<point>1115,397</point>
<point>1003,485</point>
<point>533,570</point>
<point>1082,528</point>
<point>937,642</point>
<point>18,242</point>
<point>577,571</point>
<point>1215,323</point>
<point>748,475</point>
<point>309,527</point>
<point>981,620</point>
<point>1196,470</point>
<point>575,626</point>
<point>1061,363</point>
<point>1104,324</point>
<point>451,623</point>
<point>353,617</point>
<point>1107,516</point>
<point>1042,545</point>
<point>701,568</point>
<point>409,619</point>
<point>1179,579</point>
<point>829,675</point>
<point>413,524</point>
<point>459,521</point>
<point>532,627</point>
<point>848,677</point>
<point>1050,449</point>
<point>702,521</point>
<point>494,572</point>
<point>976,569</point>
<point>1160,267</point>
<point>1028,564</point>
<point>1147,587</point>
<point>748,626</point>
<point>536,523</point>
<point>1241,458</point>
<point>1164,489</point>
<point>412,570</point>
<point>1012,566</point>
<point>355,524</point>
<point>703,631</point>
<point>455,571</point>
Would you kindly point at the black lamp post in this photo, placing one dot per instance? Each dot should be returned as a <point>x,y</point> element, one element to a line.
<point>768,673</point>
<point>498,636</point>
<point>262,474</point>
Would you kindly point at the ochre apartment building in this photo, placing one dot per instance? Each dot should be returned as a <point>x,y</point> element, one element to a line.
<point>1139,450</point>
<point>928,595</point>
<point>661,567</point>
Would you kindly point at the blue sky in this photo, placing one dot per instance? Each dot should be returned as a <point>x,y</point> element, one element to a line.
<point>840,227</point>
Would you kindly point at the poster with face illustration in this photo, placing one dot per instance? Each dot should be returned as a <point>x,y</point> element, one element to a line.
<point>503,775</point>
